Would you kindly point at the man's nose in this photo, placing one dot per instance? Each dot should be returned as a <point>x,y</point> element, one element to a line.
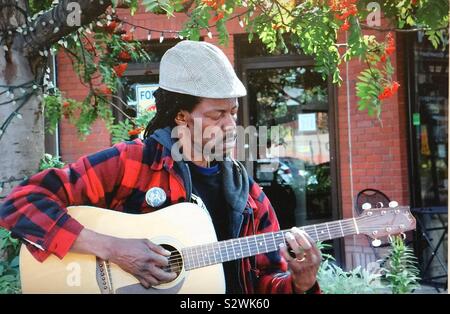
<point>229,122</point>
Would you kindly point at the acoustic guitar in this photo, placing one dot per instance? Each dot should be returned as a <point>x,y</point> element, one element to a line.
<point>187,231</point>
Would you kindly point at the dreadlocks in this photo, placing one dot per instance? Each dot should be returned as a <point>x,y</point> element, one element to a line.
<point>168,104</point>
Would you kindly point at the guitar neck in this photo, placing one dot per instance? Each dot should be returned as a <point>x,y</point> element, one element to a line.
<point>233,249</point>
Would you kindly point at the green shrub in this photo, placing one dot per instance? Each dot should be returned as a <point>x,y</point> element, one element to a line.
<point>334,280</point>
<point>401,271</point>
<point>399,276</point>
<point>9,263</point>
<point>49,161</point>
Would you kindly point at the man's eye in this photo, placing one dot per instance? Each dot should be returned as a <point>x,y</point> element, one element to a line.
<point>216,115</point>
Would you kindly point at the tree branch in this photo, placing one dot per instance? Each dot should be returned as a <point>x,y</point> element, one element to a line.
<point>52,25</point>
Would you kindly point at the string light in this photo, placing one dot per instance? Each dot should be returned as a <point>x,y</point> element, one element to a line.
<point>241,22</point>
<point>176,33</point>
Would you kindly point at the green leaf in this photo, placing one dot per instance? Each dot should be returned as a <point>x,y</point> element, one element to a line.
<point>410,21</point>
<point>150,5</point>
<point>15,262</point>
<point>8,278</point>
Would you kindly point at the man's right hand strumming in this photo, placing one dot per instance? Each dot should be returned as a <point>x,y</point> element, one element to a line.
<point>139,257</point>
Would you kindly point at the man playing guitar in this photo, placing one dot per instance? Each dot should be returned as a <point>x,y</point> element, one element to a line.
<point>197,83</point>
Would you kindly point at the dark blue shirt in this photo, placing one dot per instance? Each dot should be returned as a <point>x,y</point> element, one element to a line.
<point>207,184</point>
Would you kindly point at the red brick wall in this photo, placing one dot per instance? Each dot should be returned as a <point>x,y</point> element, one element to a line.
<point>71,146</point>
<point>372,154</point>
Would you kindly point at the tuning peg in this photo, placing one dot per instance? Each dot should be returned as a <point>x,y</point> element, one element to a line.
<point>376,242</point>
<point>393,204</point>
<point>366,206</point>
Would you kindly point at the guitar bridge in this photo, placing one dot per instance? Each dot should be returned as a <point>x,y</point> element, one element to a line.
<point>104,279</point>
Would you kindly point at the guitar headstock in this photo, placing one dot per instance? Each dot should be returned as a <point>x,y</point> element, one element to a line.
<point>385,221</point>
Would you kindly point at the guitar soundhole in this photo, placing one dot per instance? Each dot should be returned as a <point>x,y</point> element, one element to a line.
<point>175,260</point>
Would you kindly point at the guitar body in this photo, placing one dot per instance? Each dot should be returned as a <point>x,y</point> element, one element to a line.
<point>181,225</point>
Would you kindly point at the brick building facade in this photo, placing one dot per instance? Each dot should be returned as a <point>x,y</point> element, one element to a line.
<point>366,154</point>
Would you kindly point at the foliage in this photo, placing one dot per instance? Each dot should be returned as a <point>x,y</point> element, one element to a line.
<point>401,271</point>
<point>49,161</point>
<point>100,53</point>
<point>9,263</point>
<point>319,179</point>
<point>333,279</point>
<point>125,130</point>
<point>400,276</point>
<point>316,27</point>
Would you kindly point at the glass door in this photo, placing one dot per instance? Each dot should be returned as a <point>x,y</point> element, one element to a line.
<point>428,129</point>
<point>297,171</point>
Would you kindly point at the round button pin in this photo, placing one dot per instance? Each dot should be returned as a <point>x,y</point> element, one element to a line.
<point>155,197</point>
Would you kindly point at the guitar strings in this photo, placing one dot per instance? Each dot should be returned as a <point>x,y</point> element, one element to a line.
<point>177,259</point>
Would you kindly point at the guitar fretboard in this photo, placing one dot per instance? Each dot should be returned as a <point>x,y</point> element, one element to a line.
<point>228,250</point>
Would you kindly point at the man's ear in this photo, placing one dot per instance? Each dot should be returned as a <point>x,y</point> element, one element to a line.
<point>181,118</point>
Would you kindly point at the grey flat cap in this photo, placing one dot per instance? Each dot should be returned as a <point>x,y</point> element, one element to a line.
<point>200,69</point>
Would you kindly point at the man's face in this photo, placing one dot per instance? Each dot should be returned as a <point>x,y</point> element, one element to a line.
<point>212,125</point>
